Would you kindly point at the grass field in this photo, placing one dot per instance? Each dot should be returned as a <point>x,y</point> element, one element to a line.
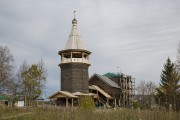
<point>57,113</point>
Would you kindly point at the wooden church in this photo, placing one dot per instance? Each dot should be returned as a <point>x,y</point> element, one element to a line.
<point>109,89</point>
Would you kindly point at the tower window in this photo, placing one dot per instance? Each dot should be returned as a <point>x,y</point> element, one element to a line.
<point>77,55</point>
<point>67,55</point>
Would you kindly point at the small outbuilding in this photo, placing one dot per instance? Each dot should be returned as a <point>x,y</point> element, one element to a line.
<point>5,100</point>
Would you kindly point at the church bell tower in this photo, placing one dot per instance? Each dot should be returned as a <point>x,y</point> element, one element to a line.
<point>74,63</point>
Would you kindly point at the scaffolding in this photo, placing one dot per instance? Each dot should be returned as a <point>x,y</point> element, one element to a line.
<point>127,87</point>
<point>127,91</point>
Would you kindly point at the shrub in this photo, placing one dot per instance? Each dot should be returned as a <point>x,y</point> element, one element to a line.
<point>135,104</point>
<point>86,103</point>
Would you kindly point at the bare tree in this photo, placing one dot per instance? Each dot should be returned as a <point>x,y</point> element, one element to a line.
<point>141,88</point>
<point>21,81</point>
<point>146,92</point>
<point>6,67</point>
<point>146,88</point>
<point>42,68</point>
<point>150,88</point>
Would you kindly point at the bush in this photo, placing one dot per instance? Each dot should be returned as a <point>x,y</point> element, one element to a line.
<point>135,104</point>
<point>86,103</point>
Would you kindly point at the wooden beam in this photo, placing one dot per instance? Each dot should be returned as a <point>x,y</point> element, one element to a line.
<point>66,102</point>
<point>119,102</point>
<point>71,56</point>
<point>115,102</point>
<point>72,102</point>
<point>108,102</point>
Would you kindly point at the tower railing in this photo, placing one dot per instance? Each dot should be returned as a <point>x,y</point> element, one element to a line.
<point>68,60</point>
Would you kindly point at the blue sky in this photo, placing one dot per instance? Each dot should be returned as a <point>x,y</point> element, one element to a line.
<point>136,35</point>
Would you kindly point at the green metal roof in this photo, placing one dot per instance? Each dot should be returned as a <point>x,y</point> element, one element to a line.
<point>2,97</point>
<point>111,75</point>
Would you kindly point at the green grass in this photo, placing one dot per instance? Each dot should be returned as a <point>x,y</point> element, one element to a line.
<point>57,113</point>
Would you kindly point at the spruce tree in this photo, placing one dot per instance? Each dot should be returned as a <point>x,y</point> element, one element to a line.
<point>167,93</point>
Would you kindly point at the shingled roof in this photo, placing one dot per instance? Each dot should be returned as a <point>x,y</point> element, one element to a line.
<point>74,41</point>
<point>106,80</point>
<point>62,94</point>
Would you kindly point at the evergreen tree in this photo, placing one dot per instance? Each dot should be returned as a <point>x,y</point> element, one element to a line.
<point>168,91</point>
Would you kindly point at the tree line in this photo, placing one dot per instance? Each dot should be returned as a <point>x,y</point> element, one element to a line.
<point>27,83</point>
